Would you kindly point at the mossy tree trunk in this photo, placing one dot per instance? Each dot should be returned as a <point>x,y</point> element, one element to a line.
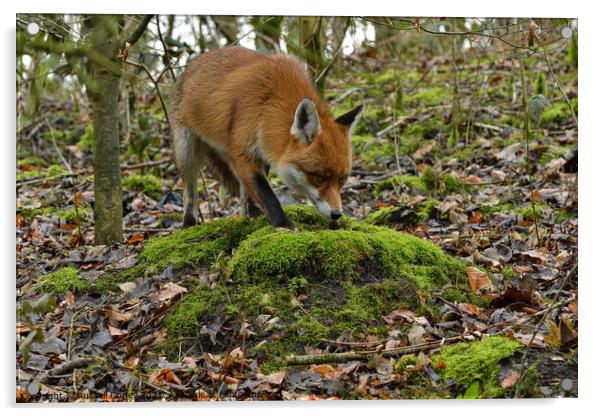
<point>103,91</point>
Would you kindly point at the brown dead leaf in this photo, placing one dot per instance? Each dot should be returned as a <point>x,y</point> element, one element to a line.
<point>162,375</point>
<point>488,262</point>
<point>169,291</point>
<point>116,332</point>
<point>399,316</point>
<point>117,318</point>
<point>21,221</point>
<point>189,362</point>
<point>510,379</point>
<point>470,309</point>
<point>222,377</point>
<point>135,239</point>
<point>78,198</point>
<point>323,369</point>
<point>440,364</point>
<point>534,255</point>
<point>22,328</point>
<point>422,151</point>
<point>479,281</point>
<point>274,378</point>
<point>474,180</point>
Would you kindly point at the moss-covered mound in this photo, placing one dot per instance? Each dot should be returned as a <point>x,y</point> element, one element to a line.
<point>295,288</point>
<point>474,367</point>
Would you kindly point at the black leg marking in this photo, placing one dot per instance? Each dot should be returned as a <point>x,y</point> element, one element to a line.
<point>252,209</point>
<point>274,210</point>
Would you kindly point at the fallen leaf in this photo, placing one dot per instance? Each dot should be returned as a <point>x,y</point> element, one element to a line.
<point>324,370</point>
<point>470,309</point>
<point>510,379</point>
<point>127,287</point>
<point>116,332</point>
<point>162,375</point>
<point>479,281</point>
<point>423,151</point>
<point>169,291</point>
<point>21,221</point>
<point>274,378</point>
<point>399,316</point>
<point>474,180</point>
<point>135,239</point>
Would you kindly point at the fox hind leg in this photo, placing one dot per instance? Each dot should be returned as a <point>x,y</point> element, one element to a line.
<point>188,161</point>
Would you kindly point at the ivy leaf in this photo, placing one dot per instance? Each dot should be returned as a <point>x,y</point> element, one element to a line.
<point>536,105</point>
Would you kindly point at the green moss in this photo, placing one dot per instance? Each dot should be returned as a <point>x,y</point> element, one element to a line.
<point>429,178</point>
<point>573,52</point>
<point>350,274</point>
<point>459,295</point>
<point>32,161</point>
<point>415,183</point>
<point>196,246</point>
<point>553,152</point>
<point>61,281</point>
<point>507,272</point>
<point>431,96</point>
<point>489,210</point>
<point>555,113</point>
<point>426,129</point>
<point>470,362</point>
<point>86,141</point>
<point>451,185</point>
<point>50,171</point>
<point>149,185</point>
<point>372,150</point>
<point>404,362</point>
<point>527,211</point>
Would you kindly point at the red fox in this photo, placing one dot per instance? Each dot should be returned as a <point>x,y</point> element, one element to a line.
<point>240,113</point>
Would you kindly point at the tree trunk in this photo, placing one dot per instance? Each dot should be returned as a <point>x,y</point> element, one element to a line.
<point>311,46</point>
<point>103,92</point>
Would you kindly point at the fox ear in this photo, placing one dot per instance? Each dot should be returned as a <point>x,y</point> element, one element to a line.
<point>306,123</point>
<point>351,118</point>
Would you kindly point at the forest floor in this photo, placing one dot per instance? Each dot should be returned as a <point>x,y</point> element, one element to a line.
<point>443,160</point>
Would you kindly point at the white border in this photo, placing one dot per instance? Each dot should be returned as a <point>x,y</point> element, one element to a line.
<point>589,239</point>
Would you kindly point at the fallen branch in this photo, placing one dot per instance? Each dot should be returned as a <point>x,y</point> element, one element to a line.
<point>366,355</point>
<point>67,367</point>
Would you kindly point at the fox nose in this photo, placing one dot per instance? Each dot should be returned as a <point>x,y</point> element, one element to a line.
<point>335,215</point>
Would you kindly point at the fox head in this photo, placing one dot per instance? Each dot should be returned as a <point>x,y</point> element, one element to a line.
<point>318,160</point>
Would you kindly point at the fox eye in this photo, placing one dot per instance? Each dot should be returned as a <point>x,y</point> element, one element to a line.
<point>320,179</point>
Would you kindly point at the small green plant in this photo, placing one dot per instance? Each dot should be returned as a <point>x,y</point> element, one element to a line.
<point>297,285</point>
<point>539,86</point>
<point>26,313</point>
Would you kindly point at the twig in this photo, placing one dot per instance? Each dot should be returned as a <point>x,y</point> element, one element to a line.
<point>328,67</point>
<point>390,127</point>
<point>139,30</point>
<point>167,56</point>
<point>555,305</point>
<point>155,84</point>
<point>566,98</point>
<point>56,148</point>
<point>30,181</point>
